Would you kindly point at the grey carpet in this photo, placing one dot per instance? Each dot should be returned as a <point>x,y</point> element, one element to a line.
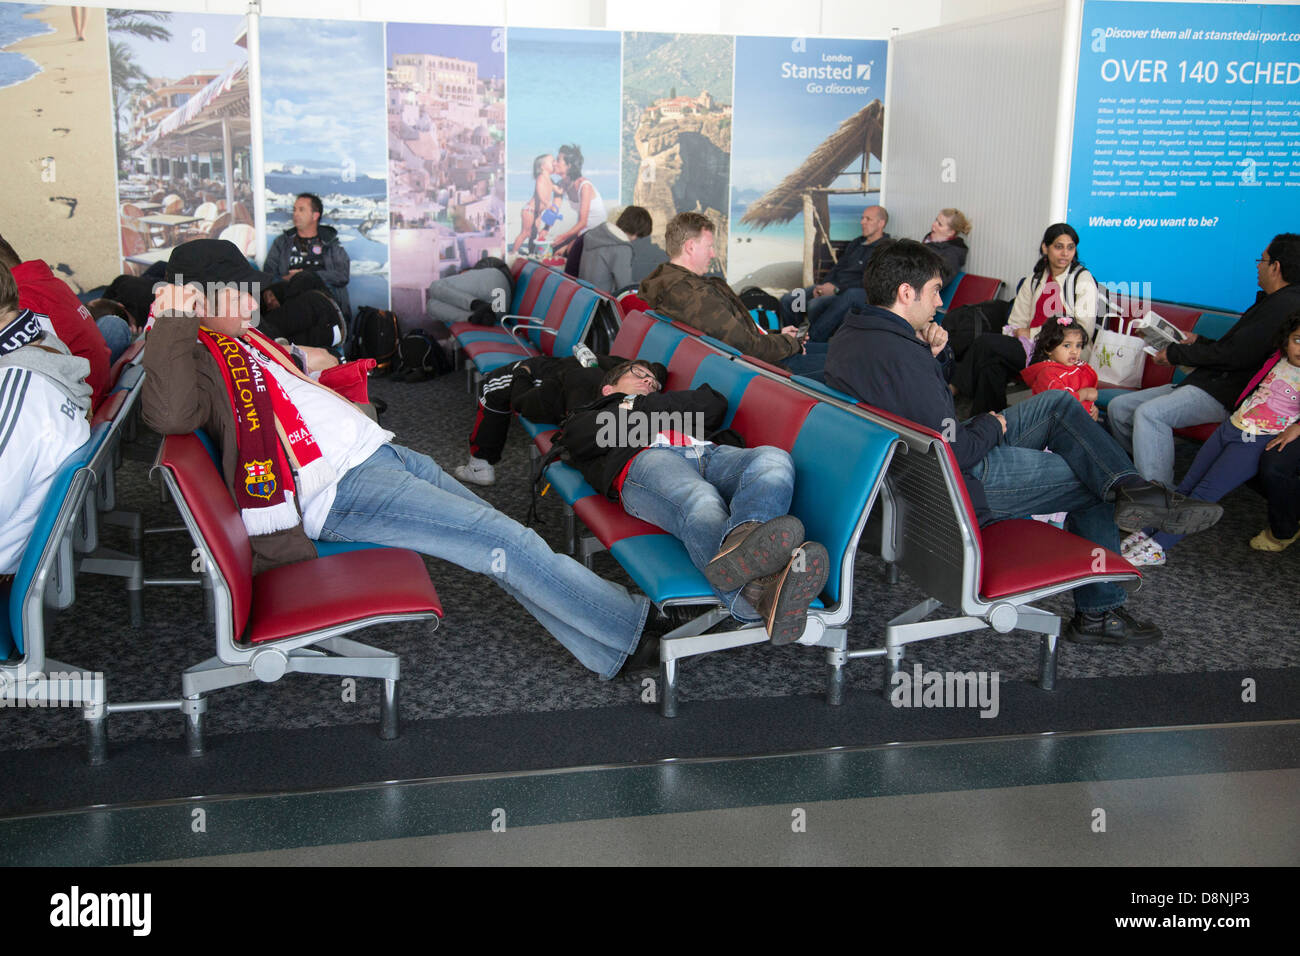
<point>490,658</point>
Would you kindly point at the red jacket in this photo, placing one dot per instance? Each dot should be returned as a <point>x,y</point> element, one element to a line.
<point>42,291</point>
<point>1042,376</point>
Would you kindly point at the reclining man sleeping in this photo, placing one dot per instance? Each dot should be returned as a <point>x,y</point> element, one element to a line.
<point>662,454</point>
<point>338,475</point>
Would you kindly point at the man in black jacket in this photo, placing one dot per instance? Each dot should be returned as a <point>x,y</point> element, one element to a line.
<point>544,389</point>
<point>886,354</point>
<point>729,506</point>
<point>1144,421</point>
<point>825,305</point>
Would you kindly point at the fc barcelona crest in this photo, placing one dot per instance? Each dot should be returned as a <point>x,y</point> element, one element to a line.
<point>260,480</point>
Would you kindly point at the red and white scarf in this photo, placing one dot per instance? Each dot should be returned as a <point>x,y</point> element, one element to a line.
<point>277,455</point>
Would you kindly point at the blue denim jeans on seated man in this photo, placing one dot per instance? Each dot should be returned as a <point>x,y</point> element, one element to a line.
<point>698,495</point>
<point>401,498</point>
<point>1020,480</point>
<point>1143,423</point>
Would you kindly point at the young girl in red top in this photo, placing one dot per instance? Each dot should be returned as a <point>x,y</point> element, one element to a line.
<point>1057,363</point>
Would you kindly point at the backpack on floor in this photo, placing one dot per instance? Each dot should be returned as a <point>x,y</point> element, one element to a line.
<point>375,335</point>
<point>421,357</point>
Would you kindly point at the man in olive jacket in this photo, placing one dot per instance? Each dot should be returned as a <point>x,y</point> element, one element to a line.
<point>680,290</point>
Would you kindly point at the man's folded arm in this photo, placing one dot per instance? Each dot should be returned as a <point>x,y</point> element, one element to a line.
<point>172,403</point>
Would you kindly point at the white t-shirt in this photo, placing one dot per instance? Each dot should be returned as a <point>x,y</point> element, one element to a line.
<point>39,428</point>
<point>345,436</point>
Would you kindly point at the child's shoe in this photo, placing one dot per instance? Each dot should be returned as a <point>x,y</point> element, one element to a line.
<point>1264,541</point>
<point>1140,550</point>
<point>477,472</point>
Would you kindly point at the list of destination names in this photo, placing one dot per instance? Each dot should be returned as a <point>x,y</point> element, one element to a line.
<point>1154,146</point>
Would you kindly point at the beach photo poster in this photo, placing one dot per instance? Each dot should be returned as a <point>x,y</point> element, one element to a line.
<point>563,151</point>
<point>1186,144</point>
<point>809,113</point>
<point>180,121</point>
<point>60,203</point>
<point>446,155</point>
<point>310,145</point>
<point>677,117</point>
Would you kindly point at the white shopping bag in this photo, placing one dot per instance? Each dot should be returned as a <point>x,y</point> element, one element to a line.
<point>1118,359</point>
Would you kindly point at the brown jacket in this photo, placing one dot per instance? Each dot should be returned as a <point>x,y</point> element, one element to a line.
<point>184,391</point>
<point>709,305</point>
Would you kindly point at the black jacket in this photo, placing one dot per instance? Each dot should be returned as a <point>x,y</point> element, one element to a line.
<point>546,389</point>
<point>604,436</point>
<point>1224,367</point>
<point>876,356</point>
<point>953,253</point>
<point>847,273</point>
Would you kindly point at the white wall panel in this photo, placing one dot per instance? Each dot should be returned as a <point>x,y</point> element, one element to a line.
<point>971,123</point>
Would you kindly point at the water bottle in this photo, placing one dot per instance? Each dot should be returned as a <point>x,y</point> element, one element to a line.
<point>584,355</point>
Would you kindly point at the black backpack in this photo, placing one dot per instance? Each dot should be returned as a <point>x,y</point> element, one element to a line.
<point>374,335</point>
<point>421,357</point>
<point>764,308</point>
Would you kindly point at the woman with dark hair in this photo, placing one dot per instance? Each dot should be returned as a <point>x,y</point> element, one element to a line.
<point>581,192</point>
<point>1058,287</point>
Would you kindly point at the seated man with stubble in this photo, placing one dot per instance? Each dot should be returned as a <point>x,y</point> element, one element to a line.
<point>886,355</point>
<point>662,455</point>
<point>339,476</point>
<point>680,290</point>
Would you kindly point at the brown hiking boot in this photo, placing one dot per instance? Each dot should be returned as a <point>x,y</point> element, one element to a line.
<point>753,550</point>
<point>782,599</point>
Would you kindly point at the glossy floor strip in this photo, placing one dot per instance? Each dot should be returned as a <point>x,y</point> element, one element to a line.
<point>1181,794</point>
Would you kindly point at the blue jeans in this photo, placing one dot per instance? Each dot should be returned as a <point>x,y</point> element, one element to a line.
<point>1228,459</point>
<point>698,495</point>
<point>1019,480</point>
<point>810,363</point>
<point>1144,422</point>
<point>116,333</point>
<point>824,313</point>
<point>401,498</point>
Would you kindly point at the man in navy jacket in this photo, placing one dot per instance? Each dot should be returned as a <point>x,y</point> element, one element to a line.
<point>825,305</point>
<point>888,355</point>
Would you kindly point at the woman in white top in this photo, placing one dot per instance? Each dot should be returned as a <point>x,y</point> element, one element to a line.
<point>581,192</point>
<point>1059,286</point>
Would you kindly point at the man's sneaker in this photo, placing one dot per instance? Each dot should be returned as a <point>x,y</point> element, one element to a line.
<point>477,472</point>
<point>1140,550</point>
<point>1152,505</point>
<point>1111,627</point>
<point>782,599</point>
<point>1267,541</point>
<point>754,550</point>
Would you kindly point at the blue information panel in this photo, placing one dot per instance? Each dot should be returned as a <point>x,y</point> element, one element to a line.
<point>1186,151</point>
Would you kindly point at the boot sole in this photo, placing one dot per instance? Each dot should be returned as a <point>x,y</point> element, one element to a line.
<point>788,615</point>
<point>765,550</point>
<point>1189,518</point>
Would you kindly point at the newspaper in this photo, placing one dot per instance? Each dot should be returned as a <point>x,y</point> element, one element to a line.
<point>1159,333</point>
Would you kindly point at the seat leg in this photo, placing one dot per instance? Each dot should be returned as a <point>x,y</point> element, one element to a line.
<point>1047,647</point>
<point>668,688</point>
<point>893,664</point>
<point>194,709</point>
<point>835,660</point>
<point>891,573</point>
<point>388,695</point>
<point>97,736</point>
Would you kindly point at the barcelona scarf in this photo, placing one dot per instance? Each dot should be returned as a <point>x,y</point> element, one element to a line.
<point>274,443</point>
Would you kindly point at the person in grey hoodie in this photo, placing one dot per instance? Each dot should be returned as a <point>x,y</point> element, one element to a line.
<point>618,255</point>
